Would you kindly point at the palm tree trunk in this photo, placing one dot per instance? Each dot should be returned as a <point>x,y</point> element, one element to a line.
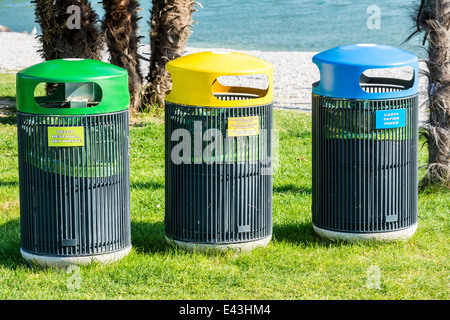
<point>433,18</point>
<point>59,40</point>
<point>121,26</point>
<point>169,32</point>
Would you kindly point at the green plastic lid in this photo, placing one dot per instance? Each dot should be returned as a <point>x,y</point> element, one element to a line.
<point>84,87</point>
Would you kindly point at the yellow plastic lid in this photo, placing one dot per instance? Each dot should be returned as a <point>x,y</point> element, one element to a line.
<point>194,79</point>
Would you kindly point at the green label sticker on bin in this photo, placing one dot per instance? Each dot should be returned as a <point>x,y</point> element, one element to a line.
<point>386,119</point>
<point>65,136</point>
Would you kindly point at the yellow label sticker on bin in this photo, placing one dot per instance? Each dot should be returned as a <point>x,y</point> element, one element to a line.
<point>65,136</point>
<point>243,126</point>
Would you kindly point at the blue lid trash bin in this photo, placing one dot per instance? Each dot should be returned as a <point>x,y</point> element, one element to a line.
<point>364,144</point>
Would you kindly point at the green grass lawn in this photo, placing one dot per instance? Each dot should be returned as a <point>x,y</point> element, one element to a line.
<point>296,264</point>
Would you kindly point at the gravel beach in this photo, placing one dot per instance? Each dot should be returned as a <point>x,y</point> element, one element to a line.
<point>294,72</point>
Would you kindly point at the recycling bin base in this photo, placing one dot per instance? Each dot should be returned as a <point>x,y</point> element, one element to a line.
<point>64,262</point>
<point>403,234</point>
<point>202,247</point>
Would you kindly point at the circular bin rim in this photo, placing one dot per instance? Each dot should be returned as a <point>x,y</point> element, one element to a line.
<point>112,80</point>
<point>194,79</point>
<point>341,69</point>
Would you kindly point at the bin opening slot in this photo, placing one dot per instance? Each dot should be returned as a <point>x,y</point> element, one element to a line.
<point>387,79</point>
<point>240,87</point>
<point>68,95</point>
<point>315,84</point>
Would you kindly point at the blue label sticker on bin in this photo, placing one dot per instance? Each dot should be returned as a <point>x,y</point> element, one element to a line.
<point>386,119</point>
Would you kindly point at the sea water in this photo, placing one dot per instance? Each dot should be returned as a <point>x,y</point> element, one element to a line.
<point>273,25</point>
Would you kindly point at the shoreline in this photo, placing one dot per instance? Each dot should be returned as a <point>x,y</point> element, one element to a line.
<point>294,71</point>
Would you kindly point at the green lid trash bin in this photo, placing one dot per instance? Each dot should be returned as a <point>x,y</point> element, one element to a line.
<point>73,149</point>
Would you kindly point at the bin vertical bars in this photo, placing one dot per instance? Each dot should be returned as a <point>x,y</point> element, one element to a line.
<point>207,203</point>
<point>74,200</point>
<point>364,179</point>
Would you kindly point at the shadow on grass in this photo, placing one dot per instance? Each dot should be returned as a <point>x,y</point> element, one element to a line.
<point>8,115</point>
<point>429,189</point>
<point>9,99</point>
<point>292,188</point>
<point>10,120</point>
<point>151,185</point>
<point>10,256</point>
<point>298,134</point>
<point>299,233</point>
<point>140,124</point>
<point>145,238</point>
<point>9,183</point>
<point>148,237</point>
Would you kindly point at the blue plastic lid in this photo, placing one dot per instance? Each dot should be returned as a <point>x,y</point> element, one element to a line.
<point>341,69</point>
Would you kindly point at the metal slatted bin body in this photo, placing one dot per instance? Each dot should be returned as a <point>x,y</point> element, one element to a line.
<point>365,150</point>
<point>221,199</point>
<point>73,170</point>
